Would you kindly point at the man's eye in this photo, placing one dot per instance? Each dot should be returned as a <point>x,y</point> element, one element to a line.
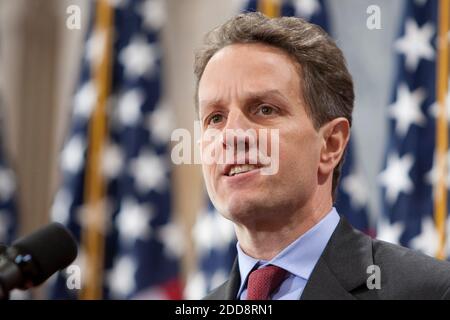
<point>215,119</point>
<point>265,110</point>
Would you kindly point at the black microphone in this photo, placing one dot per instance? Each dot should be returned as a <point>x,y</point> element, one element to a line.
<point>34,258</point>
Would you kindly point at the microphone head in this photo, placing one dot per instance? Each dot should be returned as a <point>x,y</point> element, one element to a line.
<point>51,248</point>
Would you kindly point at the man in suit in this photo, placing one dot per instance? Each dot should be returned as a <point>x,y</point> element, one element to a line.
<point>287,76</point>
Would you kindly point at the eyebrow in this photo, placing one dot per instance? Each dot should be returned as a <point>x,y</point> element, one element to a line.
<point>252,96</point>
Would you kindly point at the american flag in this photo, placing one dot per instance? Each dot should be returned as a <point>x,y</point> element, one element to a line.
<point>214,235</point>
<point>409,171</point>
<point>142,242</point>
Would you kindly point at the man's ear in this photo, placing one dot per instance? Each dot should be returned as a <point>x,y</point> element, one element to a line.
<point>335,135</point>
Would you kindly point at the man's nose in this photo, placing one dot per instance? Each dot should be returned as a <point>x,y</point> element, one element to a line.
<point>232,132</point>
<point>238,136</point>
<point>236,139</point>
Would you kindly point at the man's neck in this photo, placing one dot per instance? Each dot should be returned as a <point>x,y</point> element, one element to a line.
<point>263,240</point>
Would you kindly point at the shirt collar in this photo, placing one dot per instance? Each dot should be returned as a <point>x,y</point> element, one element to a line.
<point>301,256</point>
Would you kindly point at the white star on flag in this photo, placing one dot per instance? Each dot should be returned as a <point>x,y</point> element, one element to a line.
<point>129,107</point>
<point>95,47</point>
<point>149,171</point>
<point>196,287</point>
<point>406,109</point>
<point>427,241</point>
<point>203,233</point>
<point>390,232</point>
<point>112,161</point>
<point>84,100</point>
<point>121,277</point>
<point>416,44</point>
<point>172,238</point>
<point>153,13</point>
<point>72,156</point>
<point>395,178</point>
<point>212,231</point>
<point>133,221</point>
<point>139,57</point>
<point>60,211</point>
<point>160,123</point>
<point>306,8</point>
<point>355,186</point>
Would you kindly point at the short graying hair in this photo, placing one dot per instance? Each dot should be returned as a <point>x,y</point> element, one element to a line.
<point>326,84</point>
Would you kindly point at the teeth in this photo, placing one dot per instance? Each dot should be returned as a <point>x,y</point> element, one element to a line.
<point>241,168</point>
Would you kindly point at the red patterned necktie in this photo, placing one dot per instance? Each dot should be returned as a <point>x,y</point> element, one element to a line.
<point>262,282</point>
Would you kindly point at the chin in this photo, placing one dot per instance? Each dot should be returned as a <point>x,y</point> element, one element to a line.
<point>243,210</point>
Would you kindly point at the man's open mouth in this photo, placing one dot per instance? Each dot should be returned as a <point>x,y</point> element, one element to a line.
<point>236,169</point>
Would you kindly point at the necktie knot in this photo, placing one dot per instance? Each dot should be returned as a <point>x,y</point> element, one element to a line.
<point>262,282</point>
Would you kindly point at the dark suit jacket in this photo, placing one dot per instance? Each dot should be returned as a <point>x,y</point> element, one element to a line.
<point>341,271</point>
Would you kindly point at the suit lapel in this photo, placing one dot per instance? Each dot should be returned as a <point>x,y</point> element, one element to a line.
<point>233,284</point>
<point>341,269</point>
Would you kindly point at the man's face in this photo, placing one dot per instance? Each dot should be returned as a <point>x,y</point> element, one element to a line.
<point>255,86</point>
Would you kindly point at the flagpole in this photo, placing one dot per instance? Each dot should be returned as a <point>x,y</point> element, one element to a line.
<point>93,236</point>
<point>270,8</point>
<point>440,198</point>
